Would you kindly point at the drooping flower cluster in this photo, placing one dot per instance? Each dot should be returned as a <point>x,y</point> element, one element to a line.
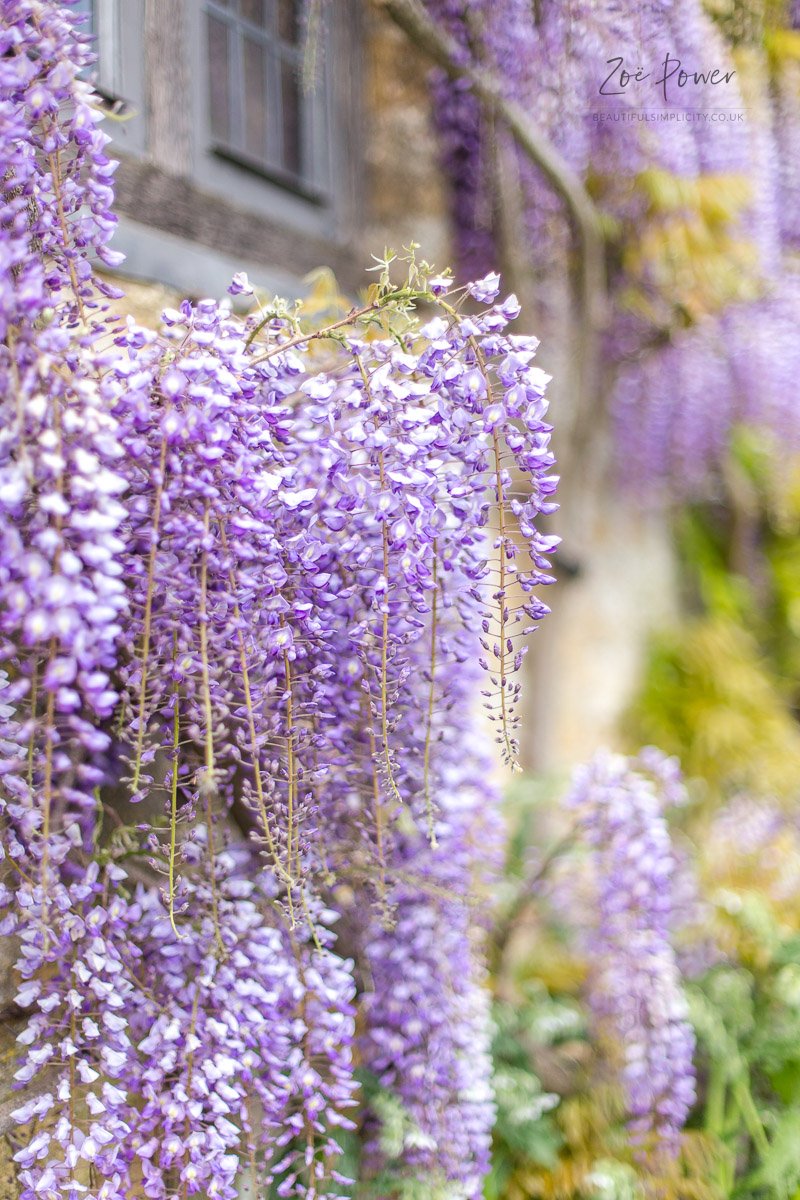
<point>248,590</point>
<point>636,990</point>
<point>152,1055</point>
<point>59,450</point>
<point>426,1037</point>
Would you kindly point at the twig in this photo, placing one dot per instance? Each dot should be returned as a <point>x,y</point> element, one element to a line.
<point>411,17</point>
<point>526,892</point>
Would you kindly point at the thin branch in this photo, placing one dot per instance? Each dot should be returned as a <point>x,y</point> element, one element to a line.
<point>526,894</point>
<point>411,17</point>
<point>355,314</point>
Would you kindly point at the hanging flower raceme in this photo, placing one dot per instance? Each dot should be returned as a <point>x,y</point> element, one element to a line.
<point>60,482</point>
<point>242,1054</point>
<point>248,584</point>
<point>636,990</point>
<point>426,1034</point>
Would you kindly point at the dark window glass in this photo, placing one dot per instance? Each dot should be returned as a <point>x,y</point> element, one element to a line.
<point>260,111</point>
<point>255,11</point>
<point>219,78</point>
<point>290,104</point>
<point>256,109</point>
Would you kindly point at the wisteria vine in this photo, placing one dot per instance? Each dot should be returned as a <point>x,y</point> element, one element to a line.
<point>252,576</point>
<point>696,183</point>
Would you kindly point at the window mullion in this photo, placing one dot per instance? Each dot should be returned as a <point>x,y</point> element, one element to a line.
<point>274,107</point>
<point>236,84</point>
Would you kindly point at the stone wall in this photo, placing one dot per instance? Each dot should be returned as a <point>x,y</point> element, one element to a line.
<point>406,195</point>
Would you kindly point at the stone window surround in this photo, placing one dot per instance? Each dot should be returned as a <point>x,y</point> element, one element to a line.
<point>171,181</point>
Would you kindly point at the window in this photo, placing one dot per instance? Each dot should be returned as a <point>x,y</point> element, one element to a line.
<point>233,155</point>
<point>261,114</point>
<point>101,19</point>
<point>118,75</point>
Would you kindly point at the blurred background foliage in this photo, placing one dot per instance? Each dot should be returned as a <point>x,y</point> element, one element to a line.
<point>721,691</point>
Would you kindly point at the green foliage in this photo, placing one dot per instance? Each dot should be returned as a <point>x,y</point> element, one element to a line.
<point>721,691</point>
<point>526,1132</point>
<point>752,23</point>
<point>710,697</point>
<point>612,1180</point>
<point>397,1133</point>
<point>689,258</point>
<point>748,1028</point>
<point>560,1132</point>
<point>782,45</point>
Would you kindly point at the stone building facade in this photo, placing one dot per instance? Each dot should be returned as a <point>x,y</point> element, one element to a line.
<point>249,143</point>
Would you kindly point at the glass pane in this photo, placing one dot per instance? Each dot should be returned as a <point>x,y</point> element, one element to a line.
<point>255,101</point>
<point>290,96</point>
<point>255,11</point>
<point>219,78</point>
<point>288,20</point>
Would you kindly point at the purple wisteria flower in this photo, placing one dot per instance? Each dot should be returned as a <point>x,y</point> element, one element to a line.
<point>426,1029</point>
<point>636,988</point>
<point>247,595</point>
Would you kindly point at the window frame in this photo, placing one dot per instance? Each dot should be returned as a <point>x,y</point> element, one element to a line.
<point>315,209</point>
<point>312,180</point>
<point>119,72</point>
<point>175,183</point>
